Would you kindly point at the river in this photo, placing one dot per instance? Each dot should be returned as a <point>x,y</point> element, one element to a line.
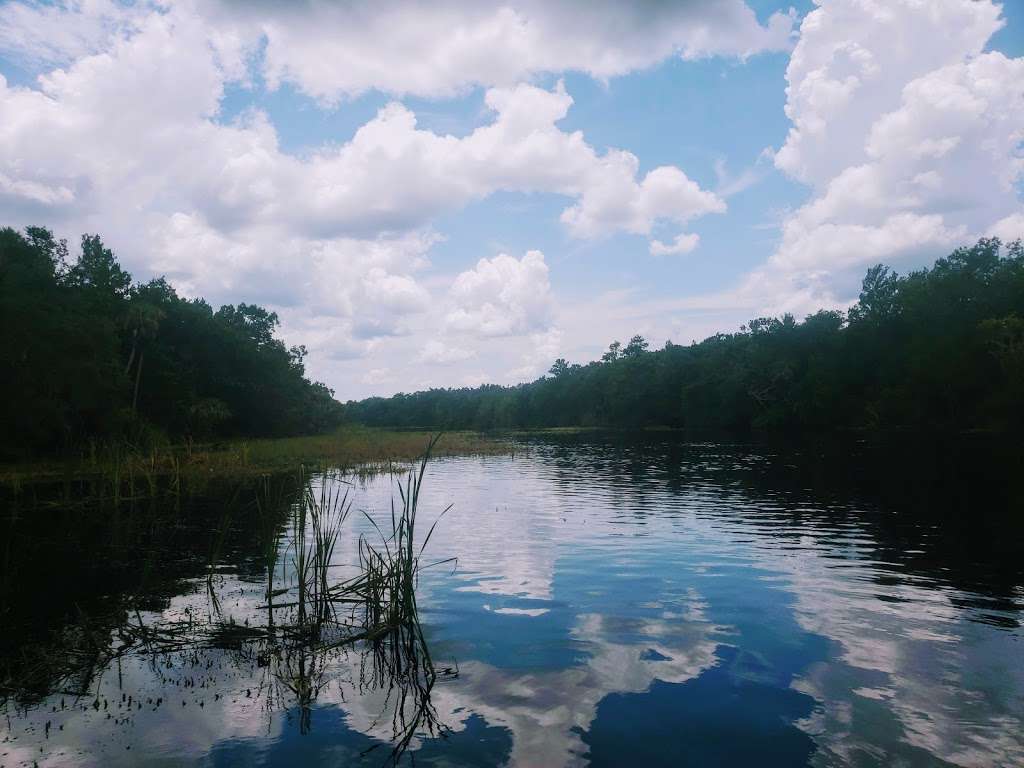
<point>602,600</point>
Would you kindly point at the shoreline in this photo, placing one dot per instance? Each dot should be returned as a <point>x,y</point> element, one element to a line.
<point>349,447</point>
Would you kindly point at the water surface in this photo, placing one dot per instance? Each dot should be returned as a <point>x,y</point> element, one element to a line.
<point>641,600</point>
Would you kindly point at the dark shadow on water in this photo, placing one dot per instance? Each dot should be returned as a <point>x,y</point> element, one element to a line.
<point>948,510</point>
<point>89,598</point>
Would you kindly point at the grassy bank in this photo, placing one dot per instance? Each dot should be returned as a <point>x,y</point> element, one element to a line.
<point>348,447</point>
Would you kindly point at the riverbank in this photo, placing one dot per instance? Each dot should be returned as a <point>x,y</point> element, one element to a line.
<point>348,447</point>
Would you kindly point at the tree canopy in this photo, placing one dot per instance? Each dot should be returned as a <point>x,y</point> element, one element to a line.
<point>939,348</point>
<point>88,356</point>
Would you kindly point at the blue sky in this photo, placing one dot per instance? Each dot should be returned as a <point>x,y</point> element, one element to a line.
<point>446,195</point>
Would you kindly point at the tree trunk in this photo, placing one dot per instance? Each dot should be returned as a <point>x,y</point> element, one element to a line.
<point>131,357</point>
<point>138,375</point>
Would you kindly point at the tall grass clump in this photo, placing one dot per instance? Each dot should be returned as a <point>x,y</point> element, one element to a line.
<point>390,568</point>
<point>310,621</point>
<point>316,527</point>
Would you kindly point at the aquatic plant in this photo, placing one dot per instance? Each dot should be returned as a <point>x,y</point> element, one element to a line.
<point>170,469</point>
<point>310,621</point>
<point>390,568</point>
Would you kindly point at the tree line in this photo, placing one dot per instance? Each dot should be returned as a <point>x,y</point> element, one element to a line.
<point>88,357</point>
<point>938,348</point>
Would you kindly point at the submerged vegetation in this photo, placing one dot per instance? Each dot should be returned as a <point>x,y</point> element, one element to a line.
<point>939,348</point>
<point>90,359</point>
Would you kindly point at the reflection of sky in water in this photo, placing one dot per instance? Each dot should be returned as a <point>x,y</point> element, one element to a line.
<point>605,612</point>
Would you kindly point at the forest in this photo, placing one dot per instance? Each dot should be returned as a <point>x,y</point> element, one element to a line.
<point>89,358</point>
<point>935,349</point>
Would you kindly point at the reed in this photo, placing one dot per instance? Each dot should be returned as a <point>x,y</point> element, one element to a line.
<point>349,448</point>
<point>309,619</point>
<point>390,567</point>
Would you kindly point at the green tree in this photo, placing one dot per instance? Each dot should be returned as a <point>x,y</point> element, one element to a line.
<point>98,270</point>
<point>559,368</point>
<point>612,353</point>
<point>938,348</point>
<point>86,354</point>
<point>637,346</point>
<point>878,296</point>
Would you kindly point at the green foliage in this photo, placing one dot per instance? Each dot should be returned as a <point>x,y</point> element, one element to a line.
<point>636,347</point>
<point>612,353</point>
<point>940,348</point>
<point>89,357</point>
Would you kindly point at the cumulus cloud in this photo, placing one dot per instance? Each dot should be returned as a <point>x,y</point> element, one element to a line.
<point>1009,229</point>
<point>333,50</point>
<point>393,175</point>
<point>172,159</point>
<point>614,199</point>
<point>909,135</point>
<point>542,350</point>
<point>397,294</point>
<point>336,50</point>
<point>337,238</point>
<point>906,131</point>
<point>502,296</point>
<point>851,64</point>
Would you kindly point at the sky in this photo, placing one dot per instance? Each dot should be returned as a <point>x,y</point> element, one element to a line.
<point>450,193</point>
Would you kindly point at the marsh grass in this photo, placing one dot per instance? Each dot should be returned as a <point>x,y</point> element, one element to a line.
<point>270,498</point>
<point>131,472</point>
<point>310,619</point>
<point>390,568</point>
<point>220,535</point>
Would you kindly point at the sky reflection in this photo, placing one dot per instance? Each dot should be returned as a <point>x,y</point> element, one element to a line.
<point>621,604</point>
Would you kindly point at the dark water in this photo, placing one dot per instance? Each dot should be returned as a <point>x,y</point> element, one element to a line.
<point>644,601</point>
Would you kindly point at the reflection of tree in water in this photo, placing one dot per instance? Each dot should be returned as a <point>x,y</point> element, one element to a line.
<point>308,631</point>
<point>941,507</point>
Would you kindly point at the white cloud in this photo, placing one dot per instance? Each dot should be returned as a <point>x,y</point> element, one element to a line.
<point>910,137</point>
<point>683,243</point>
<point>502,296</point>
<point>614,199</point>
<point>439,353</point>
<point>940,169</point>
<point>831,247</point>
<point>537,357</point>
<point>1009,229</point>
<point>336,239</point>
<point>394,176</point>
<point>336,50</point>
<point>332,50</point>
<point>45,34</point>
<point>34,192</point>
<point>397,294</point>
<point>850,66</point>
<point>170,158</point>
<point>905,130</point>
